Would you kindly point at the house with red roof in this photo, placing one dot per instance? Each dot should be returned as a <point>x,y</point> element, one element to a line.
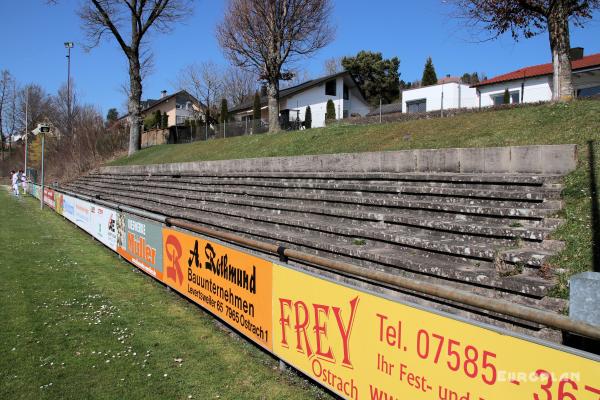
<point>534,84</point>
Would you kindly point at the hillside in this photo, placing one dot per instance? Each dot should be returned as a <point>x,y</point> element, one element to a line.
<point>576,122</point>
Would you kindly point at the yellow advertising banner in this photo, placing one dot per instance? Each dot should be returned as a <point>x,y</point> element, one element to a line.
<point>231,284</point>
<point>362,346</point>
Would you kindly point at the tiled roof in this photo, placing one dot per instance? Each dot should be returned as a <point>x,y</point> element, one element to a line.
<point>592,60</point>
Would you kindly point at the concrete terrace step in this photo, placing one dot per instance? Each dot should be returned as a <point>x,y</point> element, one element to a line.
<point>459,269</point>
<point>439,177</point>
<point>527,230</point>
<point>477,207</point>
<point>504,192</point>
<point>419,243</point>
<point>451,243</point>
<point>391,189</point>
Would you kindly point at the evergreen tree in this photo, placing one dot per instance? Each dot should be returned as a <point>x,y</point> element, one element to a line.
<point>112,115</point>
<point>506,99</point>
<point>157,119</point>
<point>224,111</point>
<point>164,121</point>
<point>308,118</point>
<point>429,75</point>
<point>466,78</point>
<point>376,77</point>
<point>330,114</point>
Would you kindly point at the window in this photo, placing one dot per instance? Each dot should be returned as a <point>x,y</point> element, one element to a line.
<point>498,99</point>
<point>330,88</point>
<point>346,93</point>
<point>515,97</point>
<point>416,106</point>
<point>588,92</point>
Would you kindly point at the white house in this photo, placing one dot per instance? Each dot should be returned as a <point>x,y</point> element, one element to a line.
<point>341,88</point>
<point>449,93</point>
<point>533,84</point>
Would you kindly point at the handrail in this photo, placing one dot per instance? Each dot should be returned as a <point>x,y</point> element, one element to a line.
<point>504,307</point>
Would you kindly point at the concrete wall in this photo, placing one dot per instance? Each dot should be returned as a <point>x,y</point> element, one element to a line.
<point>536,90</point>
<point>433,96</point>
<point>542,159</point>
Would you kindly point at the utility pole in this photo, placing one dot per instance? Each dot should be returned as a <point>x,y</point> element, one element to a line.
<point>26,131</point>
<point>69,46</point>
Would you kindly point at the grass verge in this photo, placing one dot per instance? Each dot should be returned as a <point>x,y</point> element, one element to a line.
<point>78,323</point>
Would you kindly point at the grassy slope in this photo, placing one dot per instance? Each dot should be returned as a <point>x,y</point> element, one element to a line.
<point>78,323</point>
<point>570,123</point>
<point>576,122</point>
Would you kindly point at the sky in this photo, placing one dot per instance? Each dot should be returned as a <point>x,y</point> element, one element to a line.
<point>32,34</point>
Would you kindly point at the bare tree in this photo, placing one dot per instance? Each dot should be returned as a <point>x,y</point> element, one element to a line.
<point>204,82</point>
<point>333,65</point>
<point>298,76</point>
<point>135,18</point>
<point>239,85</point>
<point>530,18</point>
<point>267,35</point>
<point>5,82</point>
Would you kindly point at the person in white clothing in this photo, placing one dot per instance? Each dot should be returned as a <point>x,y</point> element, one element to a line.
<point>15,182</point>
<point>24,182</point>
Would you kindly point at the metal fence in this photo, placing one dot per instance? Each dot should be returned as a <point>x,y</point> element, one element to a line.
<point>193,132</point>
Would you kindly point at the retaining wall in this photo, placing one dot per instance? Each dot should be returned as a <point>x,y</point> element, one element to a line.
<point>537,159</point>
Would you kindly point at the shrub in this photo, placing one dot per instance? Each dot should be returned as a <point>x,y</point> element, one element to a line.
<point>308,118</point>
<point>330,114</point>
<point>506,99</point>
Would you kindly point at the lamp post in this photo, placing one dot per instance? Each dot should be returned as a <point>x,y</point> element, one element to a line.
<point>42,129</point>
<point>69,46</point>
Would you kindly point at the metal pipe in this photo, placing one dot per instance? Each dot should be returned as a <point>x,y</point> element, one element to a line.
<point>546,318</point>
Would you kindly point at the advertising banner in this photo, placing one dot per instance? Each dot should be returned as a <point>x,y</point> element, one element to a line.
<point>103,225</point>
<point>229,283</point>
<point>362,346</point>
<point>36,191</point>
<point>59,202</point>
<point>139,241</point>
<point>68,207</point>
<point>49,198</point>
<point>83,215</point>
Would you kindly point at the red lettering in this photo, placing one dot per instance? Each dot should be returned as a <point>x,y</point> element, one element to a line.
<point>284,321</point>
<point>174,271</point>
<point>322,330</point>
<point>345,332</point>
<point>300,328</point>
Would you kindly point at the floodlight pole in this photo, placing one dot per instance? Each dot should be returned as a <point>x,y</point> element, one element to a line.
<point>42,194</point>
<point>69,46</point>
<point>26,131</point>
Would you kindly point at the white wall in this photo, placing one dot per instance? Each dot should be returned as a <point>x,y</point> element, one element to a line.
<point>433,96</point>
<point>316,98</point>
<point>535,89</point>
